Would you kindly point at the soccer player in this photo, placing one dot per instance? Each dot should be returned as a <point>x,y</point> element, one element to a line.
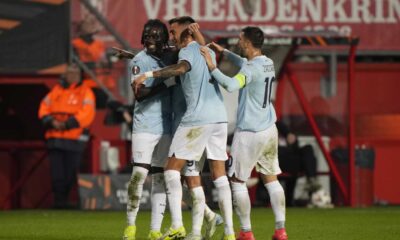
<point>193,194</point>
<point>151,131</point>
<point>255,141</point>
<point>203,127</point>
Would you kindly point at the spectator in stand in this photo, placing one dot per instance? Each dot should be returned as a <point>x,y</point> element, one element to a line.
<point>296,160</point>
<point>66,112</point>
<point>92,53</point>
<point>89,49</point>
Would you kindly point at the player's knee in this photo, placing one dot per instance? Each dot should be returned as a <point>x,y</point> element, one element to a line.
<point>170,175</point>
<point>193,181</point>
<point>268,178</point>
<point>157,178</point>
<point>139,175</point>
<point>217,169</point>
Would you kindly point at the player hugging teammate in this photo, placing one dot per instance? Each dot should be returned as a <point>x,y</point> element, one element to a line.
<point>177,99</point>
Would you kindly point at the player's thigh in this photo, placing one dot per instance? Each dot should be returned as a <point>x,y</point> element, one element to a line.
<point>160,153</point>
<point>143,145</point>
<point>243,158</point>
<point>267,152</point>
<point>189,142</point>
<point>216,144</point>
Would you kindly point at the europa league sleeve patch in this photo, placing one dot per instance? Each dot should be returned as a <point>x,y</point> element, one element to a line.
<point>135,70</point>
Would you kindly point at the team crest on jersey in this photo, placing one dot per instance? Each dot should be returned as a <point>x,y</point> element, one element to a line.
<point>135,70</point>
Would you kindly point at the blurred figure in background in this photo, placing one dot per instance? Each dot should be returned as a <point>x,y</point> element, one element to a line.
<point>296,160</point>
<point>92,52</point>
<point>89,49</point>
<point>66,112</point>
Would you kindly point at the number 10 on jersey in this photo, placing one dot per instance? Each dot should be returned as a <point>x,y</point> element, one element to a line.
<point>268,89</point>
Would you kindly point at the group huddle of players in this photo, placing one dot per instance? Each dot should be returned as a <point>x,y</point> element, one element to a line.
<point>180,120</point>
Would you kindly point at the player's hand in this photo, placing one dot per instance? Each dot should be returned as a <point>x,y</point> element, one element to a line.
<point>216,47</point>
<point>136,88</point>
<point>138,83</point>
<point>194,27</point>
<point>206,54</point>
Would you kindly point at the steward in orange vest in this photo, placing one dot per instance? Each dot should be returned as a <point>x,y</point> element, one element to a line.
<point>67,112</point>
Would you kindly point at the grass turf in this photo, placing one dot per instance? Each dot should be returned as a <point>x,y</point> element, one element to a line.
<point>338,223</point>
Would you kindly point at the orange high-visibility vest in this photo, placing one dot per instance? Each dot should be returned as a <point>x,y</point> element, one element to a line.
<point>89,52</point>
<point>61,103</point>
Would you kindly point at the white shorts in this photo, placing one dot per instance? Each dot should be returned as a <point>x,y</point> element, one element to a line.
<point>189,143</point>
<point>194,168</point>
<point>259,149</point>
<point>150,148</point>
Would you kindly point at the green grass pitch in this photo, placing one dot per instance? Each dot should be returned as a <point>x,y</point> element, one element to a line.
<point>336,224</point>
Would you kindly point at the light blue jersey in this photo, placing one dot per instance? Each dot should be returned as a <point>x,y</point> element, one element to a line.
<point>178,105</point>
<point>203,98</point>
<point>152,115</point>
<point>255,111</point>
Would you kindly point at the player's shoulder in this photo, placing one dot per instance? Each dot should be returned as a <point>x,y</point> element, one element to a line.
<point>185,52</point>
<point>140,56</point>
<point>140,59</point>
<point>192,46</point>
<point>266,60</point>
<point>259,61</point>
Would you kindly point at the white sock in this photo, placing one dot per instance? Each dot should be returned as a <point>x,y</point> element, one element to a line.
<point>135,189</point>
<point>186,195</point>
<point>225,202</point>
<point>199,202</point>
<point>174,194</point>
<point>241,202</point>
<point>277,196</point>
<point>208,213</point>
<point>158,200</point>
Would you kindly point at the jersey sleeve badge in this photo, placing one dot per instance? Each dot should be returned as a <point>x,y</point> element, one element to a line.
<point>135,70</point>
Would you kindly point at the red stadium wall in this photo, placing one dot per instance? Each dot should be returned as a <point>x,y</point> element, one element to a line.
<point>377,111</point>
<point>376,88</point>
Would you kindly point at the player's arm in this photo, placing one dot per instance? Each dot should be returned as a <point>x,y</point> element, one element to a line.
<point>122,53</point>
<point>147,92</point>
<point>230,84</point>
<point>234,58</point>
<point>171,71</point>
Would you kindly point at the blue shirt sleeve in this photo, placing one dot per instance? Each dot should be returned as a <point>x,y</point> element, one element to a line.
<point>247,71</point>
<point>138,67</point>
<point>230,84</point>
<point>240,80</point>
<point>185,54</point>
<point>234,58</point>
